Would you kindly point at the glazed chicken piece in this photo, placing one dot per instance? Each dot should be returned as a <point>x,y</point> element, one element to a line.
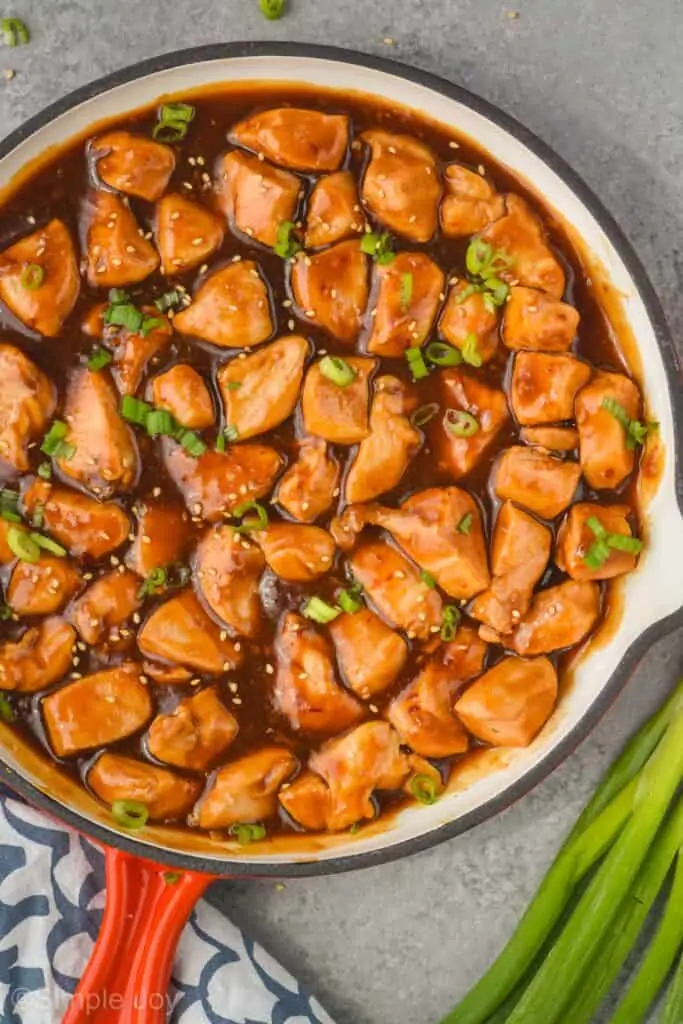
<point>261,391</point>
<point>27,401</point>
<point>338,414</point>
<point>46,259</point>
<point>352,767</point>
<point>520,235</point>
<point>133,352</point>
<point>162,536</point>
<point>96,710</point>
<point>543,387</point>
<point>303,140</point>
<point>167,675</point>
<point>606,457</point>
<point>553,439</point>
<point>441,530</point>
<point>86,527</point>
<point>519,556</point>
<point>166,796</point>
<point>218,482</point>
<point>535,321</point>
<point>406,297</point>
<point>194,734</point>
<point>396,590</point>
<point>132,164</point>
<point>41,657</point>
<point>105,458</point>
<point>307,489</point>
<point>422,713</point>
<point>228,570</point>
<point>463,392</point>
<point>384,455</point>
<point>575,538</point>
<point>246,790</point>
<point>117,253</point>
<point>559,617</point>
<point>330,288</point>
<point>107,604</point>
<point>187,234</point>
<point>470,202</point>
<point>333,212</point>
<point>401,184</point>
<point>537,481</point>
<point>509,705</point>
<point>180,632</point>
<point>185,394</point>
<point>231,308</point>
<point>306,691</point>
<point>43,587</point>
<point>370,655</point>
<point>257,197</point>
<point>466,315</point>
<point>296,553</point>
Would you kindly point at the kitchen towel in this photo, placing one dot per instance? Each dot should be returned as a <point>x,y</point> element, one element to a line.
<point>51,901</point>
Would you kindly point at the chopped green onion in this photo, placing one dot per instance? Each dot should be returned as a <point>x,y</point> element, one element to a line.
<point>636,432</point>
<point>378,246</point>
<point>599,551</point>
<point>441,354</point>
<point>406,291</point>
<point>135,410</point>
<point>6,612</point>
<point>6,710</point>
<point>151,323</point>
<point>160,422</point>
<point>9,505</point>
<point>597,554</point>
<point>620,542</point>
<point>124,315</point>
<point>470,351</point>
<point>154,583</point>
<point>169,300</point>
<point>47,544</point>
<point>54,443</point>
<point>349,599</point>
<point>14,32</point>
<point>232,385</point>
<point>38,515</point>
<point>424,789</point>
<point>416,363</point>
<point>131,814</point>
<point>246,833</point>
<point>23,545</point>
<point>287,244</point>
<point>99,358</point>
<point>220,443</point>
<point>465,524</point>
<point>231,432</point>
<point>460,423</point>
<point>338,371</point>
<point>424,414</point>
<point>428,579</point>
<point>354,829</point>
<point>594,524</point>
<point>172,877</point>
<point>482,260</point>
<point>320,611</point>
<point>192,443</point>
<point>250,525</point>
<point>118,297</point>
<point>174,119</point>
<point>45,470</point>
<point>449,622</point>
<point>32,276</point>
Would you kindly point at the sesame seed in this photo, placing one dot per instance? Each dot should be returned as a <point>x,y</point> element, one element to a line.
<point>269,669</point>
<point>454,145</point>
<point>237,700</point>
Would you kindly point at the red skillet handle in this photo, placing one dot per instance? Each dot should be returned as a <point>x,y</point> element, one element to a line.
<point>126,980</point>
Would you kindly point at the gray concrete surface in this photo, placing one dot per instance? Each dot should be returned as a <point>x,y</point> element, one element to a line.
<point>601,81</point>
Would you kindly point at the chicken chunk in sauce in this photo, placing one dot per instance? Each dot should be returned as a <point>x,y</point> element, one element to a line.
<point>544,386</point>
<point>260,392</point>
<point>246,790</point>
<point>331,290</point>
<point>257,197</point>
<point>468,321</point>
<point>184,393</point>
<point>370,654</point>
<point>397,590</point>
<point>228,569</point>
<point>338,414</point>
<point>536,480</point>
<point>105,606</point>
<point>471,417</point>
<point>538,322</point>
<point>180,632</point>
<point>307,490</point>
<point>164,794</point>
<point>215,483</point>
<point>510,703</point>
<point>333,211</point>
<point>606,449</point>
<point>296,553</point>
<point>520,236</point>
<point>559,617</point>
<point>405,302</point>
<point>42,656</point>
<point>230,309</point>
<point>197,732</point>
<point>85,526</point>
<point>118,254</point>
<point>401,184</point>
<point>132,164</point>
<point>187,234</point>
<point>305,140</point>
<point>575,551</point>
<point>470,202</point>
<point>39,279</point>
<point>27,401</point>
<point>43,587</point>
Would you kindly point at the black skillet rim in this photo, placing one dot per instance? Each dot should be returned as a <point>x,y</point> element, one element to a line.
<point>235,867</point>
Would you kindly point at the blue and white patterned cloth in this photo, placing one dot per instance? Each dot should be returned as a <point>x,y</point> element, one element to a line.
<point>51,901</point>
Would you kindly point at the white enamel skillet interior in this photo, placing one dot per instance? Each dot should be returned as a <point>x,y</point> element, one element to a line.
<point>651,596</point>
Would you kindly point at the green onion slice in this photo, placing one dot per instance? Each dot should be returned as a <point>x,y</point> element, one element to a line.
<point>173,123</point>
<point>320,611</point>
<point>449,622</point>
<point>169,300</point>
<point>135,410</point>
<point>250,525</point>
<point>47,544</point>
<point>350,599</point>
<point>130,814</point>
<point>416,363</point>
<point>441,354</point>
<point>245,832</point>
<point>99,358</point>
<point>378,246</point>
<point>428,579</point>
<point>470,351</point>
<point>54,443</point>
<point>14,32</point>
<point>6,710</point>
<point>124,314</point>
<point>160,422</point>
<point>424,414</point>
<point>9,505</point>
<point>465,524</point>
<point>460,423</point>
<point>192,443</point>
<point>32,276</point>
<point>424,789</point>
<point>45,470</point>
<point>599,551</point>
<point>406,291</point>
<point>636,432</point>
<point>287,244</point>
<point>620,542</point>
<point>22,544</point>
<point>6,612</point>
<point>338,371</point>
